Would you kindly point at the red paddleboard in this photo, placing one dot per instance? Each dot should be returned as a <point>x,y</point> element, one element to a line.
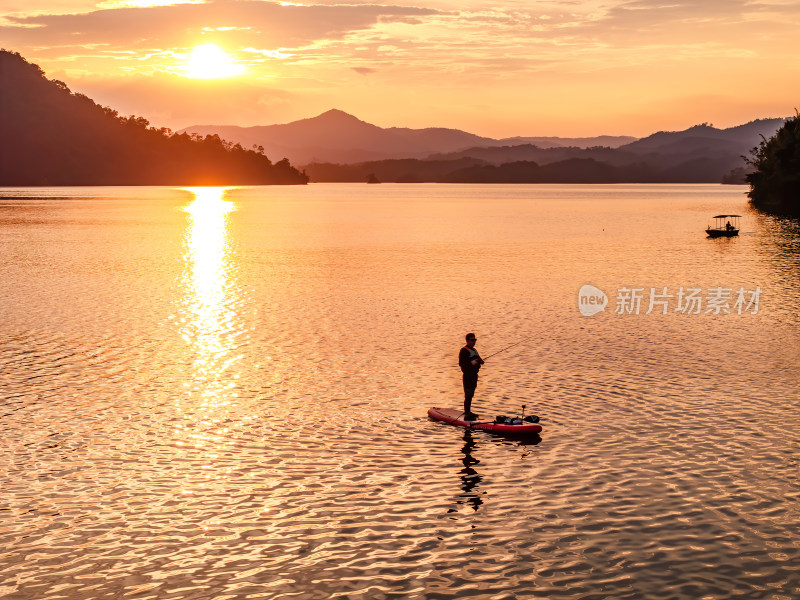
<point>453,416</point>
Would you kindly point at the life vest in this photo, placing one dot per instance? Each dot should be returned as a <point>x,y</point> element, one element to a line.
<point>473,354</point>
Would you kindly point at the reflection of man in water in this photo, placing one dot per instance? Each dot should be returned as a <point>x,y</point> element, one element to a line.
<point>469,476</point>
<point>470,362</point>
<point>470,479</point>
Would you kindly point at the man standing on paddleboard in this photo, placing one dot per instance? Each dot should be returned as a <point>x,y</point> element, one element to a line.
<point>470,363</point>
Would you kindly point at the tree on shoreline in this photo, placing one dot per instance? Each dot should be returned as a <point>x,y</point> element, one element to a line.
<point>775,180</point>
<point>50,135</point>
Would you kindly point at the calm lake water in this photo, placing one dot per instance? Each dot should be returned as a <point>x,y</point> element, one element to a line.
<point>222,393</point>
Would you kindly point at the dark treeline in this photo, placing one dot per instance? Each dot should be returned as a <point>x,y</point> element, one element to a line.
<point>400,170</point>
<point>775,177</point>
<point>570,170</point>
<point>52,136</point>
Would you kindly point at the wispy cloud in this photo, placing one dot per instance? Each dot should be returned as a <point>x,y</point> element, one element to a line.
<point>176,24</point>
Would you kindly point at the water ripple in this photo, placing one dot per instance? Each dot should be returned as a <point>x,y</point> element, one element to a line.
<point>250,422</point>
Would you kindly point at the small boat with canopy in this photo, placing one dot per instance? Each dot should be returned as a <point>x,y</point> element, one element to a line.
<point>724,226</point>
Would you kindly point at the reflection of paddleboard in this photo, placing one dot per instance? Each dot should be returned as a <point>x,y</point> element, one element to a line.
<point>453,416</point>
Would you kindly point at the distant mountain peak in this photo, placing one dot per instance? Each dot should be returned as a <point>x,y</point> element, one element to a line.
<point>335,112</point>
<point>335,115</point>
<point>702,126</point>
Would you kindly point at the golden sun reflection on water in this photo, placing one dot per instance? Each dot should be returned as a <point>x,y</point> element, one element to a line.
<point>207,241</point>
<point>209,326</point>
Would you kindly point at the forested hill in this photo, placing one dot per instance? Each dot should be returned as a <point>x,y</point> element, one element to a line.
<point>52,136</point>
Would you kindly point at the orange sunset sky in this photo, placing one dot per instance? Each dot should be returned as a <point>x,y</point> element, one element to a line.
<point>558,67</point>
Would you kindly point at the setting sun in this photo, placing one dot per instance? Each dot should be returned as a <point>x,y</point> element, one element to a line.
<point>209,61</point>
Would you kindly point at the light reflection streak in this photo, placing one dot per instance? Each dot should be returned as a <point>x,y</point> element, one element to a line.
<point>209,325</point>
<point>207,241</point>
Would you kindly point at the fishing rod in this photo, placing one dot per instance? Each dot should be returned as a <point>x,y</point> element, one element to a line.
<point>504,349</point>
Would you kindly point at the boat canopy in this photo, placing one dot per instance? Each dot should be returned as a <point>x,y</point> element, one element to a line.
<point>723,216</point>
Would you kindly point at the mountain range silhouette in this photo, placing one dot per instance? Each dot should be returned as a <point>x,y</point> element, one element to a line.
<point>336,136</point>
<point>337,146</point>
